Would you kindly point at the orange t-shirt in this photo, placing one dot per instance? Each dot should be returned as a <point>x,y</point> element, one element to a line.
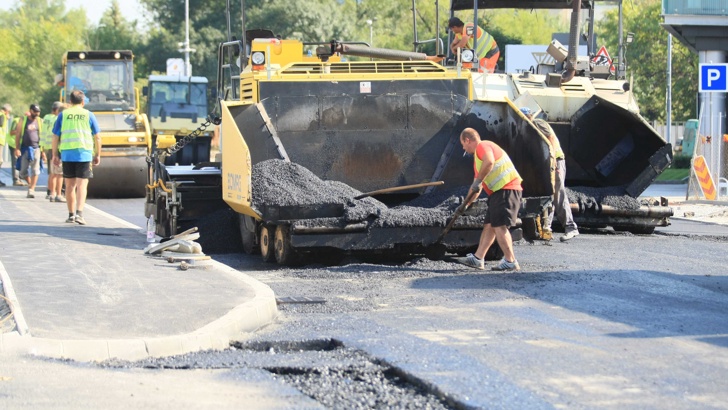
<point>514,184</point>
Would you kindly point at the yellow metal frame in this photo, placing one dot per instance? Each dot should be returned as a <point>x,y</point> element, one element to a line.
<point>237,166</point>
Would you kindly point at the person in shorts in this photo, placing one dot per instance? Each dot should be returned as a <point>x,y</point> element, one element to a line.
<point>55,172</point>
<point>27,147</point>
<point>77,143</point>
<point>494,172</point>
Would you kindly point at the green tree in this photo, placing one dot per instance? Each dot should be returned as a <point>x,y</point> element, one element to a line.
<point>647,59</point>
<point>35,35</point>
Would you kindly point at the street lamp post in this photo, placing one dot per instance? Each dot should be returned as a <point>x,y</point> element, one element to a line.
<point>371,22</point>
<point>627,42</point>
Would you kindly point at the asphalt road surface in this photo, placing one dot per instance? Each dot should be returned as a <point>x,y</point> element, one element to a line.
<point>607,320</point>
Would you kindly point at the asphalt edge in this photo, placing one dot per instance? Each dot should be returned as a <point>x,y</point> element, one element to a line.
<point>243,319</point>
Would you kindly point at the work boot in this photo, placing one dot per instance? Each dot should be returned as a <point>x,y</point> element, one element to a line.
<point>504,265</point>
<point>473,261</point>
<point>569,235</point>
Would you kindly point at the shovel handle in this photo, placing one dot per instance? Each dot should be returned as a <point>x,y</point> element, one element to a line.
<point>398,188</point>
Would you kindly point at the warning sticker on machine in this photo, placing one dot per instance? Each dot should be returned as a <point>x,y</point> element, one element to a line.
<point>365,87</point>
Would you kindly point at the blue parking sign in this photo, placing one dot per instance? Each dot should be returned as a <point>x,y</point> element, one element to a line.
<point>713,78</point>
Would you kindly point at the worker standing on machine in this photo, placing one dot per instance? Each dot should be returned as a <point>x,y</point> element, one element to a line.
<point>487,52</point>
<point>76,136</point>
<point>495,172</point>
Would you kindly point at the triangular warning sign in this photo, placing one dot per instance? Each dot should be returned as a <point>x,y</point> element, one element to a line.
<point>602,58</point>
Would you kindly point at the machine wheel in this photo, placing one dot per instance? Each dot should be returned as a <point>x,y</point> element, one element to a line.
<point>642,230</point>
<point>247,233</point>
<point>284,252</point>
<point>267,243</point>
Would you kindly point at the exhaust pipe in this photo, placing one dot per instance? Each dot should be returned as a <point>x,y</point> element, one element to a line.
<point>570,71</point>
<point>383,53</point>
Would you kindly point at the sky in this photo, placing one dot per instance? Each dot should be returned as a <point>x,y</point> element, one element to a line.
<point>130,9</point>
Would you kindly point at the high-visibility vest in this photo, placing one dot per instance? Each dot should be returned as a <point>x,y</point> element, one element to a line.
<point>46,136</point>
<point>553,139</point>
<point>13,124</point>
<point>22,129</point>
<point>3,128</point>
<point>502,173</point>
<point>76,129</point>
<point>485,41</point>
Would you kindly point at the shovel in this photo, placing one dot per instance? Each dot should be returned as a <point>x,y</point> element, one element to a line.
<point>458,212</point>
<point>398,188</point>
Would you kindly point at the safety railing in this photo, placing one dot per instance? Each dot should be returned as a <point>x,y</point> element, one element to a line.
<point>695,7</point>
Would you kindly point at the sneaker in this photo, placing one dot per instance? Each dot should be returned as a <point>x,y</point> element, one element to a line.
<point>569,235</point>
<point>504,265</point>
<point>30,195</point>
<point>48,196</point>
<point>71,219</point>
<point>17,182</point>
<point>2,183</point>
<point>58,198</point>
<point>80,220</point>
<point>472,261</point>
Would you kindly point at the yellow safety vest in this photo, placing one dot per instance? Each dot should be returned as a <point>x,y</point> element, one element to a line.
<point>3,128</point>
<point>558,152</point>
<point>502,173</point>
<point>13,124</point>
<point>485,41</point>
<point>76,130</point>
<point>46,136</point>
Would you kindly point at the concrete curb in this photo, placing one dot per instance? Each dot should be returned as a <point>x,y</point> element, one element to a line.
<point>248,317</point>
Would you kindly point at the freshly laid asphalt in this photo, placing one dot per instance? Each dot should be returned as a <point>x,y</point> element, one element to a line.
<point>89,293</point>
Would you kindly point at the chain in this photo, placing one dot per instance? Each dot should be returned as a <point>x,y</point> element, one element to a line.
<point>189,137</point>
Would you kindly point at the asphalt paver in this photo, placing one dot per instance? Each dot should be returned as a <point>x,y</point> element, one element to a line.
<point>90,293</point>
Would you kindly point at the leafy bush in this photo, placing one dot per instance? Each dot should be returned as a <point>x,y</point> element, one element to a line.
<point>680,161</point>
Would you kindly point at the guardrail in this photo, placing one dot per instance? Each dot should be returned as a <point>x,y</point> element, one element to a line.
<point>695,7</point>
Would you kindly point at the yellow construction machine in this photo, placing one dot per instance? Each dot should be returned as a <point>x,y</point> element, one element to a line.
<point>107,79</point>
<point>393,119</point>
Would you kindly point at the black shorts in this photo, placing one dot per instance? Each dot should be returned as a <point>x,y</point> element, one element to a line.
<point>503,207</point>
<point>77,170</point>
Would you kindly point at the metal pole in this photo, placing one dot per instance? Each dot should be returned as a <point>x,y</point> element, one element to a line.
<point>621,69</point>
<point>437,27</point>
<point>669,88</point>
<point>188,66</point>
<point>414,25</point>
<point>475,31</point>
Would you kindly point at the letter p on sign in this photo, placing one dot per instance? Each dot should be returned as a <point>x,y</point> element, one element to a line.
<point>713,78</point>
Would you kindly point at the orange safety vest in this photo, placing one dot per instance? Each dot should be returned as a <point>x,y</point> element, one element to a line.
<point>503,172</point>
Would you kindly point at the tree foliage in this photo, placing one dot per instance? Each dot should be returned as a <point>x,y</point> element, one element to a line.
<point>646,60</point>
<point>38,32</point>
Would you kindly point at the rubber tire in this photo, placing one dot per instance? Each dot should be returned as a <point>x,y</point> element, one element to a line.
<point>284,252</point>
<point>247,234</point>
<point>267,243</point>
<point>642,230</point>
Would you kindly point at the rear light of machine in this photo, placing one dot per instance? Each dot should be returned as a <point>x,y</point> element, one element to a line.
<point>258,60</point>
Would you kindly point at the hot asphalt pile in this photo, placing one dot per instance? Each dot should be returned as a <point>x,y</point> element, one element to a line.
<point>610,196</point>
<point>276,182</point>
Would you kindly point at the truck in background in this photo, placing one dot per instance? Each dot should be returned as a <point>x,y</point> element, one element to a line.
<point>176,106</point>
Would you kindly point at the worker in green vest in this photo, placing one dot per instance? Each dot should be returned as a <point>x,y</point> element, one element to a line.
<point>55,172</point>
<point>4,120</point>
<point>13,155</point>
<point>76,142</point>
